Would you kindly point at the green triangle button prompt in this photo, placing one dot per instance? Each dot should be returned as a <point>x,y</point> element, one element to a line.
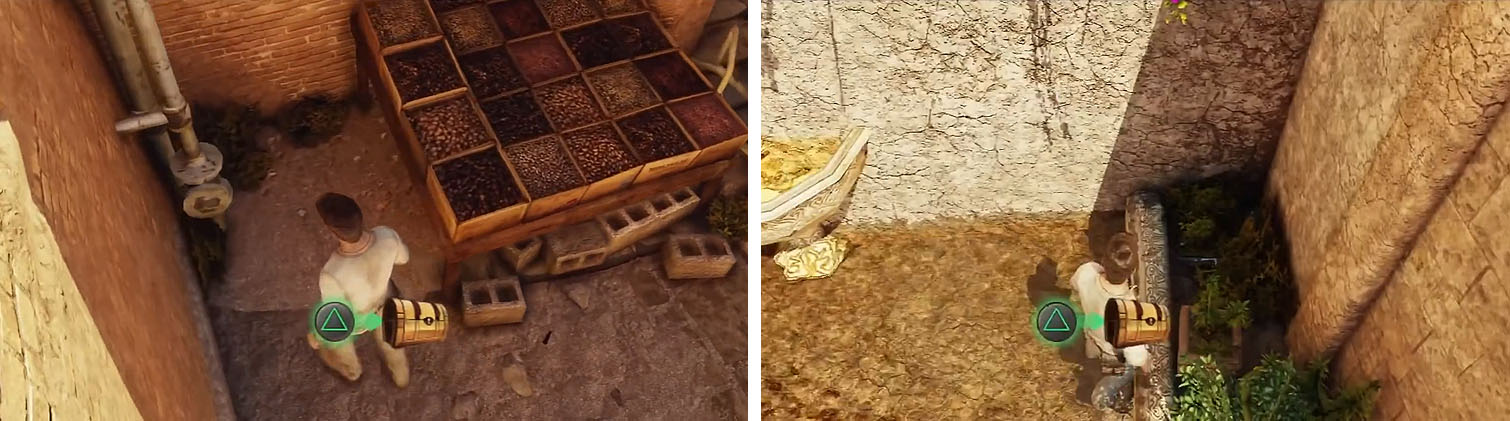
<point>1049,325</point>
<point>341,321</point>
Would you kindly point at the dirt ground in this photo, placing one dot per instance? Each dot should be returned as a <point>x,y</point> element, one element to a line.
<point>925,321</point>
<point>643,347</point>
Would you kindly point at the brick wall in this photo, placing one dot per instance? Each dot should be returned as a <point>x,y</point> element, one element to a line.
<point>1390,180</point>
<point>113,223</point>
<point>261,52</point>
<point>256,52</point>
<point>53,363</point>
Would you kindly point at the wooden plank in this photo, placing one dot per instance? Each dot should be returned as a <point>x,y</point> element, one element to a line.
<point>583,211</point>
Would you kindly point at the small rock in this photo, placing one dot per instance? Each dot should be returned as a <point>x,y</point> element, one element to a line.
<point>267,136</point>
<point>578,292</point>
<point>302,212</point>
<point>517,379</point>
<point>271,174</point>
<point>356,158</point>
<point>464,406</point>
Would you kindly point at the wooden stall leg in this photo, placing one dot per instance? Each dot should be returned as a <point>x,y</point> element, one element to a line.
<point>448,283</point>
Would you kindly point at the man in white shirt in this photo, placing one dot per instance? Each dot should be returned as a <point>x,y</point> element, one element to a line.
<point>359,272</point>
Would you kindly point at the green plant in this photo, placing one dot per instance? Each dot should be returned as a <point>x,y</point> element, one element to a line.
<point>206,247</point>
<point>1217,309</point>
<point>1274,390</point>
<point>727,216</point>
<point>1204,395</point>
<point>232,130</point>
<point>1200,210</point>
<point>1254,258</point>
<point>313,120</point>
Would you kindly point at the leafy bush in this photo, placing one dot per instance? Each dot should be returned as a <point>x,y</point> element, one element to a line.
<point>1204,395</point>
<point>313,120</point>
<point>1274,390</point>
<point>727,216</point>
<point>207,248</point>
<point>232,130</point>
<point>1217,309</point>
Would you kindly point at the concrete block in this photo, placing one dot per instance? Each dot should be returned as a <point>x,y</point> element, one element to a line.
<point>628,225</point>
<point>574,247</point>
<point>520,254</point>
<point>697,256</point>
<point>492,302</point>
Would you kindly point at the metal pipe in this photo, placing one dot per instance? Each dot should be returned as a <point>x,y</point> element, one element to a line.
<point>150,42</point>
<point>113,19</point>
<point>141,122</point>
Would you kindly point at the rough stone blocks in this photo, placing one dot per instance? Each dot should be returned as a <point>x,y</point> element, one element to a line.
<point>492,302</point>
<point>521,254</point>
<point>574,247</point>
<point>630,224</point>
<point>697,256</point>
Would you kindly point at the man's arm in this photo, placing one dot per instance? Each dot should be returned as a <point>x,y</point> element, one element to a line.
<point>402,255</point>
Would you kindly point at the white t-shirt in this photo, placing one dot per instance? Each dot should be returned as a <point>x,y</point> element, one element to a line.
<point>363,279</point>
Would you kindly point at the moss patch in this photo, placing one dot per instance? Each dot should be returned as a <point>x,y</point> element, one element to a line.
<point>232,129</point>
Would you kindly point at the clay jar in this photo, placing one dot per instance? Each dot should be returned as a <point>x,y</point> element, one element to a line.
<point>477,184</point>
<point>541,58</point>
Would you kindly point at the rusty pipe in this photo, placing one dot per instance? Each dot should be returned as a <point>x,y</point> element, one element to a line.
<point>114,22</point>
<point>149,40</point>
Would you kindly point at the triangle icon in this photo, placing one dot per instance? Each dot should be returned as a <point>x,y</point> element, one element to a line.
<point>1049,325</point>
<point>327,326</point>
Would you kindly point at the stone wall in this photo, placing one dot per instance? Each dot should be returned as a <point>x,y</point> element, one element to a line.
<point>1033,105</point>
<point>1391,183</point>
<point>116,231</point>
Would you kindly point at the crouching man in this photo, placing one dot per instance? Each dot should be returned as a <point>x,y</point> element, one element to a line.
<point>359,272</point>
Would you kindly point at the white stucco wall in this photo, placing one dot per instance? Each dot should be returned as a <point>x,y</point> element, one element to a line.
<point>1018,106</point>
<point>980,107</point>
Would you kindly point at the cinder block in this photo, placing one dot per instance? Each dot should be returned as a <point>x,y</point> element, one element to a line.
<point>630,224</point>
<point>574,247</point>
<point>492,302</point>
<point>520,254</point>
<point>697,256</point>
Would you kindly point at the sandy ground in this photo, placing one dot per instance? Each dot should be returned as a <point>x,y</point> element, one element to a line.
<point>643,348</point>
<point>925,321</point>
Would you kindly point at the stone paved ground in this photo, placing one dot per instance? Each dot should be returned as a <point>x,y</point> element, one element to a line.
<point>643,348</point>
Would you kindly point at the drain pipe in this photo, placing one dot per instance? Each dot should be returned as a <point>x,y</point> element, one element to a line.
<point>195,164</point>
<point>113,19</point>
